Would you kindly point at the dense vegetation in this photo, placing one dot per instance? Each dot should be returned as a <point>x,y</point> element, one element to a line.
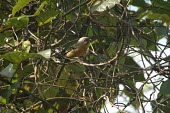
<point>36,34</point>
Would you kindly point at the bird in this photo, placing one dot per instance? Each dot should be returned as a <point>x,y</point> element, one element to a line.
<point>80,48</point>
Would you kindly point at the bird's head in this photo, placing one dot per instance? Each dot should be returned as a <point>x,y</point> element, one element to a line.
<point>84,40</point>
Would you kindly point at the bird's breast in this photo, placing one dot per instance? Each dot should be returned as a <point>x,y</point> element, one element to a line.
<point>77,52</point>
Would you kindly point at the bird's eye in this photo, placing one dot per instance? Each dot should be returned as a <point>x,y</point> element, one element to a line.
<point>85,40</point>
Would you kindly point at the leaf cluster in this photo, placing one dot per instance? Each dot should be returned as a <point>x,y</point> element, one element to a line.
<point>35,35</point>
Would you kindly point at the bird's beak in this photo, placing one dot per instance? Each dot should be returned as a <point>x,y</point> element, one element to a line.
<point>88,40</point>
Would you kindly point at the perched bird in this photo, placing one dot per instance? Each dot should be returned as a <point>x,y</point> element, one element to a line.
<point>80,48</point>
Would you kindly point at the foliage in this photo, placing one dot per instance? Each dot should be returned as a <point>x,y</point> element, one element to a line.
<point>35,35</point>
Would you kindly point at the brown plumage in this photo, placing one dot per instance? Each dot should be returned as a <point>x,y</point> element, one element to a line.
<point>80,49</point>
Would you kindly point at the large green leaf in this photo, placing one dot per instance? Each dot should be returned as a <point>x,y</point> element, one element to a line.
<point>18,22</point>
<point>26,70</point>
<point>46,17</point>
<point>151,45</point>
<point>139,42</point>
<point>159,16</point>
<point>161,5</point>
<point>18,57</point>
<point>69,75</point>
<point>3,35</point>
<point>161,31</point>
<point>164,89</point>
<point>133,69</point>
<point>3,100</point>
<point>6,93</point>
<point>19,5</point>
<point>49,91</point>
<point>139,3</point>
<point>40,8</point>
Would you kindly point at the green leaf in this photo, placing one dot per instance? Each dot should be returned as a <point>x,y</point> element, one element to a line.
<point>41,110</point>
<point>40,8</point>
<point>151,45</point>
<point>161,31</point>
<point>159,16</point>
<point>26,70</point>
<point>69,77</point>
<point>133,69</point>
<point>27,103</point>
<point>49,92</point>
<point>3,100</point>
<point>89,32</point>
<point>165,18</point>
<point>18,22</point>
<point>164,89</point>
<point>3,35</point>
<point>6,93</point>
<point>15,85</point>
<point>111,49</point>
<point>161,5</point>
<point>139,3</point>
<point>46,17</point>
<point>19,5</point>
<point>98,92</point>
<point>18,57</point>
<point>140,42</point>
<point>158,11</point>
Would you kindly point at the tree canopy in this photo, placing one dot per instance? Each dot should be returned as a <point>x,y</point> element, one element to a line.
<point>125,50</point>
